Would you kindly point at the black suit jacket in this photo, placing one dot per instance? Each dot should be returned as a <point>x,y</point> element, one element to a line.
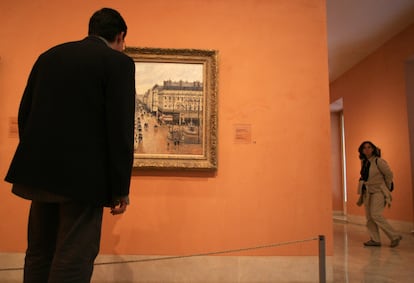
<point>76,123</point>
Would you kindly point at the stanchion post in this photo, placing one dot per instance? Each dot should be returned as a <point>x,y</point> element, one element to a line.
<point>322,259</point>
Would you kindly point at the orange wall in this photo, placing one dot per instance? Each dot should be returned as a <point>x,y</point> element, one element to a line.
<point>374,103</point>
<point>272,74</point>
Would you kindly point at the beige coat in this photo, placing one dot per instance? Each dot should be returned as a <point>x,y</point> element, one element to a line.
<point>379,180</point>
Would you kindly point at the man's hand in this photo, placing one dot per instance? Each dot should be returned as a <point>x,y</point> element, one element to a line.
<point>119,206</point>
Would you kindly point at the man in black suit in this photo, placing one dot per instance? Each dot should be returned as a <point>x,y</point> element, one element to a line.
<point>75,155</point>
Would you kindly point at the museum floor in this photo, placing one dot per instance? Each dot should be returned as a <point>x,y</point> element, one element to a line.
<point>352,262</point>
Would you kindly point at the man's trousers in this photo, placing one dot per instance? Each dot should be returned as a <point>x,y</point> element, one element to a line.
<point>63,242</point>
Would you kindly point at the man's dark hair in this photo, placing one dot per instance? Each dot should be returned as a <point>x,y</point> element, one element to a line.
<point>107,23</point>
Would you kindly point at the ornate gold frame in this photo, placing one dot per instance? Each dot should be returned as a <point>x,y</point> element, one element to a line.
<point>206,157</point>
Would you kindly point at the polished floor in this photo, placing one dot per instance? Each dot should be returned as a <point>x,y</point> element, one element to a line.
<point>351,263</point>
<point>355,263</point>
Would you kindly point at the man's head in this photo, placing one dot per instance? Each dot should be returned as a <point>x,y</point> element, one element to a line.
<point>110,25</point>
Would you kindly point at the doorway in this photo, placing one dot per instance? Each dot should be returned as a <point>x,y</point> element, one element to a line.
<point>338,159</point>
<point>409,83</point>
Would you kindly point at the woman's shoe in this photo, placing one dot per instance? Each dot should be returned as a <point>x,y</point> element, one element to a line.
<point>395,242</point>
<point>372,243</point>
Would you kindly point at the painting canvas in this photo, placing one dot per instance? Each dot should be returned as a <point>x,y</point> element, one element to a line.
<point>176,108</point>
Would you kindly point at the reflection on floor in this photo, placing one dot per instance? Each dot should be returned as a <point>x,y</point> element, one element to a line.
<point>351,263</point>
<point>355,263</point>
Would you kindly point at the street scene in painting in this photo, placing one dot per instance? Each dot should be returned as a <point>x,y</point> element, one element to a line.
<point>169,108</point>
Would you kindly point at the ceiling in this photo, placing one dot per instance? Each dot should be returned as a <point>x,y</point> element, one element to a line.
<point>356,28</point>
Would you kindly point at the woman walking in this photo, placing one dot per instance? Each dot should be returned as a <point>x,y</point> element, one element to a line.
<point>376,186</point>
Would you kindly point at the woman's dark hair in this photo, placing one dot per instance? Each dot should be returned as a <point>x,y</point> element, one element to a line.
<point>376,151</point>
<point>107,23</point>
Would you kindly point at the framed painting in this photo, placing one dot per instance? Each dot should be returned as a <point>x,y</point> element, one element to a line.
<point>176,108</point>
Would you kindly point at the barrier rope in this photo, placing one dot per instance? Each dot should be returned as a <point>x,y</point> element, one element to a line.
<point>190,255</point>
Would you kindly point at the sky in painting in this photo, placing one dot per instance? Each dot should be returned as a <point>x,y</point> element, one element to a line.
<point>147,74</point>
